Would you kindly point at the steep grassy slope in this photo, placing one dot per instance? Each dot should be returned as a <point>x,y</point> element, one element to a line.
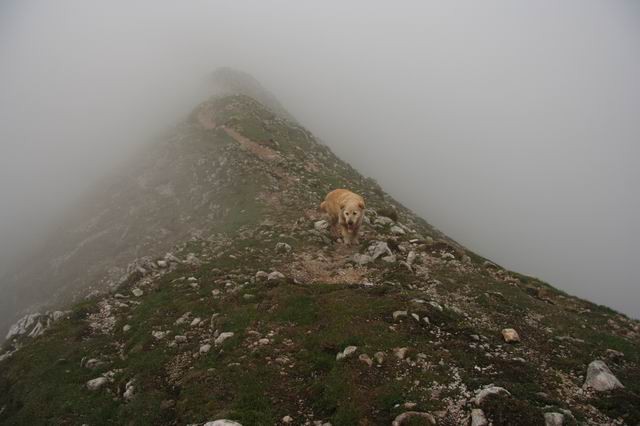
<point>425,316</point>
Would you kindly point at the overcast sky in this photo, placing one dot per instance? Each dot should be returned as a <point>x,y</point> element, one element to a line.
<point>513,126</point>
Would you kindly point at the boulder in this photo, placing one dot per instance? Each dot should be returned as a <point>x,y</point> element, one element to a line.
<point>366,359</point>
<point>396,230</point>
<point>361,259</point>
<point>283,248</point>
<point>600,378</point>
<point>383,220</point>
<point>478,418</point>
<point>262,275</point>
<point>553,419</point>
<point>410,416</point>
<point>379,248</point>
<point>489,390</point>
<point>510,335</point>
<point>97,383</point>
<point>399,314</point>
<point>400,353</point>
<point>347,352</point>
<point>223,336</point>
<point>321,225</point>
<point>275,275</point>
<point>23,325</point>
<point>129,390</point>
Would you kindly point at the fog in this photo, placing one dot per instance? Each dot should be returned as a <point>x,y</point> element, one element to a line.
<point>514,127</point>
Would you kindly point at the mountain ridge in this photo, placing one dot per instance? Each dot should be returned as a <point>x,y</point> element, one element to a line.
<point>231,300</point>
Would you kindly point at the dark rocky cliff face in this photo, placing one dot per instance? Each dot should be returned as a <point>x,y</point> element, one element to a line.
<point>216,291</point>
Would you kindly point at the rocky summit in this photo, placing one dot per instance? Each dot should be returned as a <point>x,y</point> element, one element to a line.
<point>209,290</point>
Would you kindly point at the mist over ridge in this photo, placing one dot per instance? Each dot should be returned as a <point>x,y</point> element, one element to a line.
<point>511,127</point>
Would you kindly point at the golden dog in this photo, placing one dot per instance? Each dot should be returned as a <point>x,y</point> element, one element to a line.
<point>345,210</point>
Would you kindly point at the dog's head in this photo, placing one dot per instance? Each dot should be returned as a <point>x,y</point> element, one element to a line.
<point>352,213</point>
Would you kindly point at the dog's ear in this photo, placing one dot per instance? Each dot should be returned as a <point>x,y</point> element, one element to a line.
<point>342,206</point>
<point>361,205</point>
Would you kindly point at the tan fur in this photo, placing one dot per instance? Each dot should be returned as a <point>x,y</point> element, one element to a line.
<point>345,210</point>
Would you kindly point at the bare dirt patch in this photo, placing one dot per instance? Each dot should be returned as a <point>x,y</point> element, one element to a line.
<point>320,269</point>
<point>258,150</point>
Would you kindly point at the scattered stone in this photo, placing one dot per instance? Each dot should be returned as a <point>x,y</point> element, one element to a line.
<point>58,315</point>
<point>262,275</point>
<point>510,335</point>
<point>409,405</point>
<point>162,263</point>
<point>366,359</point>
<point>411,257</point>
<point>496,294</point>
<point>6,355</point>
<point>399,314</point>
<point>415,317</point>
<point>264,341</point>
<point>407,417</point>
<point>195,322</point>
<point>223,336</point>
<point>283,248</point>
<point>192,260</point>
<point>347,352</point>
<point>275,275</point>
<point>205,348</point>
<point>379,248</point>
<point>180,339</point>
<point>478,418</point>
<point>361,259</point>
<point>395,229</point>
<point>126,328</point>
<point>321,225</point>
<point>568,339</point>
<point>137,292</point>
<point>487,391</point>
<point>448,256</point>
<point>379,356</point>
<point>223,422</point>
<point>553,419</point>
<point>389,259</point>
<point>96,384</point>
<point>159,335</point>
<point>600,378</point>
<point>129,390</point>
<point>400,353</point>
<point>92,363</point>
<point>613,354</point>
<point>383,220</point>
<point>287,419</point>
<point>436,305</point>
<point>23,325</point>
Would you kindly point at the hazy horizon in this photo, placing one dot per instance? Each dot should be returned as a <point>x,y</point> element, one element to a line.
<point>510,126</point>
